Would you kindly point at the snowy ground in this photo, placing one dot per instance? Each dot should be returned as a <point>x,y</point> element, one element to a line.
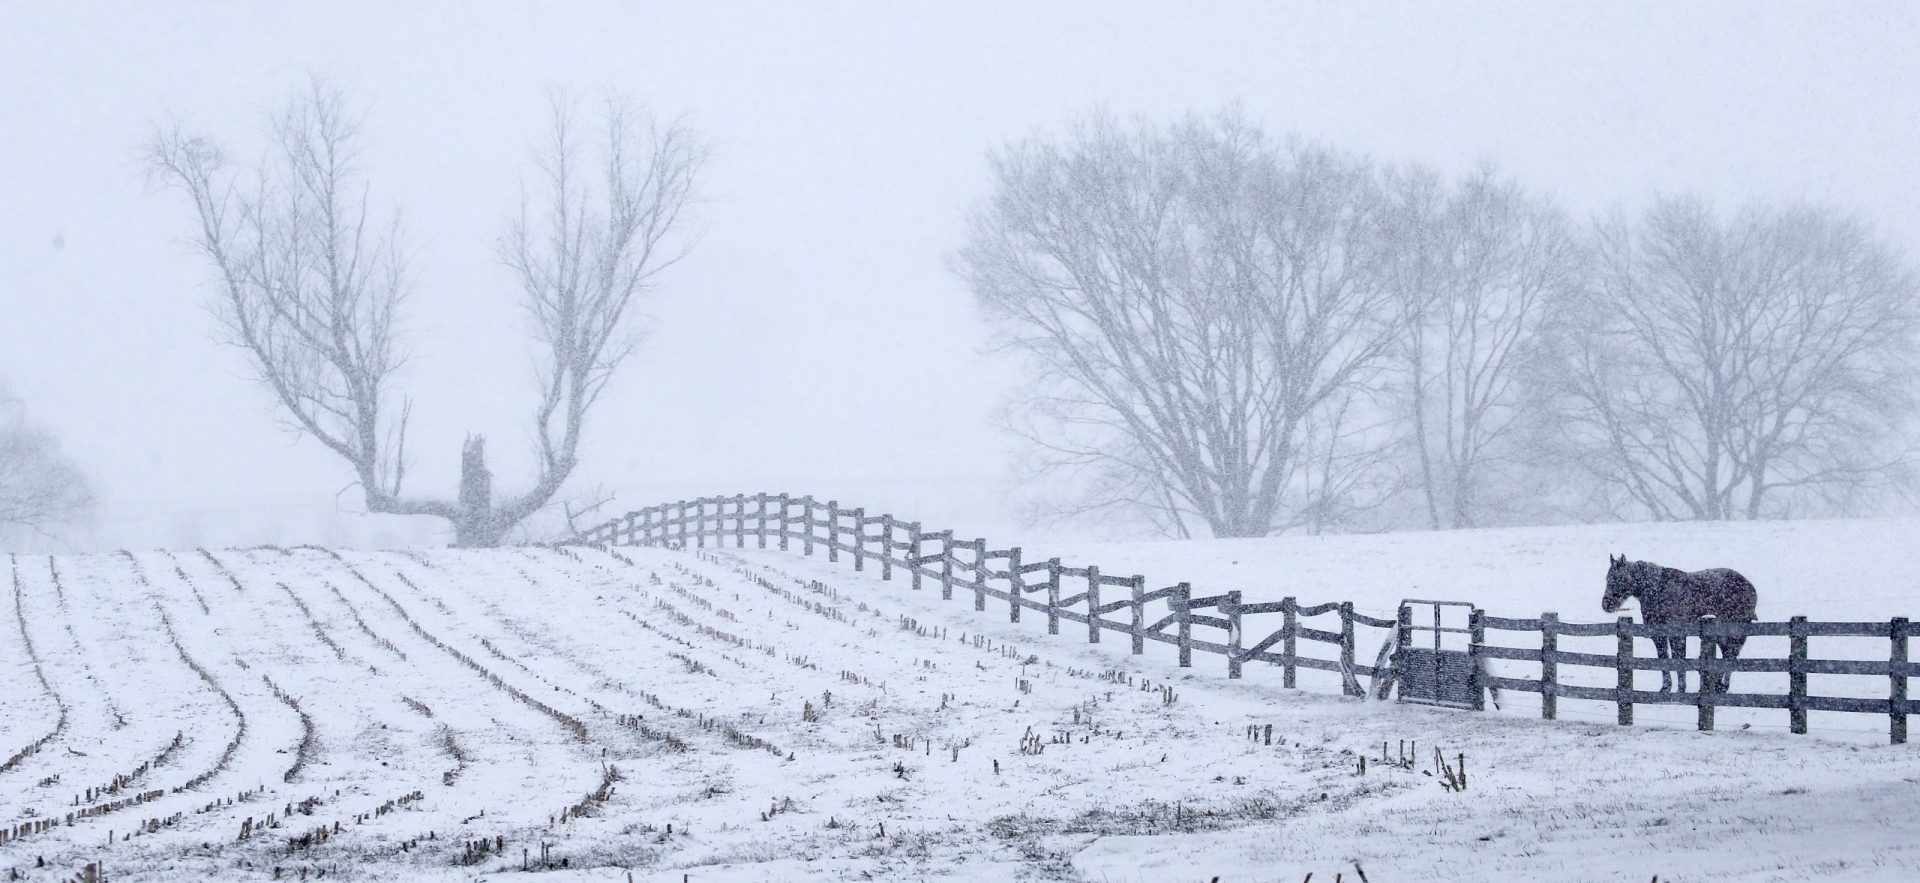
<point>748,715</point>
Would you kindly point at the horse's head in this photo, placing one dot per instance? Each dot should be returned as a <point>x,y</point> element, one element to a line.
<point>1619,583</point>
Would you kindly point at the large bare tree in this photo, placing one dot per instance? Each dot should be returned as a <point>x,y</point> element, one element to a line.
<point>1202,311</point>
<point>39,487</point>
<point>1749,365</point>
<point>312,283</point>
<point>1478,265</point>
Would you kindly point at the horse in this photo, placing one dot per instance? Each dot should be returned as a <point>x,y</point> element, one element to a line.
<point>1669,596</point>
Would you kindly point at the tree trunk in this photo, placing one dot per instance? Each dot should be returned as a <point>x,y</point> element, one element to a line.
<point>478,530</point>
<point>478,525</point>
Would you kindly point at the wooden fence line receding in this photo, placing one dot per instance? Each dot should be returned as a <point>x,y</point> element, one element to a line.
<point>1074,594</point>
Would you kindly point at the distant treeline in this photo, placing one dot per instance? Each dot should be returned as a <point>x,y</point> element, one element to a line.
<point>1237,336</point>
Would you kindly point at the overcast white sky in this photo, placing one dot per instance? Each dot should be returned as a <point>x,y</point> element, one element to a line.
<point>815,341</point>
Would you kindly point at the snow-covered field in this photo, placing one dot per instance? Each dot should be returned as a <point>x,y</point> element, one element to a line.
<point>753,715</point>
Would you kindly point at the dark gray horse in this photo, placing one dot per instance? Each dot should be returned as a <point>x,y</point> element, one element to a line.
<point>1668,596</point>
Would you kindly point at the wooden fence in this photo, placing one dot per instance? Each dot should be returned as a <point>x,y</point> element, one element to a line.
<point>1216,623</point>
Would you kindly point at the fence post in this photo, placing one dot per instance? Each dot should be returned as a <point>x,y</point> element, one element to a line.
<point>1403,632</point>
<point>886,547</point>
<point>1053,596</point>
<point>739,521</point>
<point>786,503</point>
<point>1015,583</point>
<point>1897,694</point>
<point>1622,662</point>
<point>1139,627</point>
<point>946,565</point>
<point>806,540</point>
<point>1233,633</point>
<point>1346,647</point>
<point>1549,665</point>
<point>1289,640</point>
<point>1797,675</point>
<point>1184,622</point>
<point>1704,698</point>
<point>915,537</point>
<point>1093,605</point>
<point>760,503</point>
<point>833,530</point>
<point>1477,637</point>
<point>860,539</point>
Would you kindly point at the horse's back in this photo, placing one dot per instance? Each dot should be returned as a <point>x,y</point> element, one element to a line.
<point>1724,592</point>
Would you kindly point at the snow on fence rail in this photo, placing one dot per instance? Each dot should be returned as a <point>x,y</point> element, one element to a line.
<point>1077,595</point>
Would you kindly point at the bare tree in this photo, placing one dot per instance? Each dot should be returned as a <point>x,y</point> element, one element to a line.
<point>39,487</point>
<point>1199,305</point>
<point>312,284</point>
<point>1760,365</point>
<point>1477,265</point>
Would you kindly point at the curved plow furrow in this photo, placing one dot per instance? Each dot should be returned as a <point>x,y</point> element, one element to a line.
<point>232,746</point>
<point>18,708</point>
<point>554,646</point>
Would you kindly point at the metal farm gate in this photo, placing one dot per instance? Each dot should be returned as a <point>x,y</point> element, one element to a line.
<point>1440,670</point>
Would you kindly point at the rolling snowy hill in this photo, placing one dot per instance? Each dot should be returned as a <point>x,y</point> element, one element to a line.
<point>751,715</point>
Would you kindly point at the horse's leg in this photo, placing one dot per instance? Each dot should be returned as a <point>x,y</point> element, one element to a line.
<point>1730,649</point>
<point>1680,652</point>
<point>1677,649</point>
<point>1660,650</point>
